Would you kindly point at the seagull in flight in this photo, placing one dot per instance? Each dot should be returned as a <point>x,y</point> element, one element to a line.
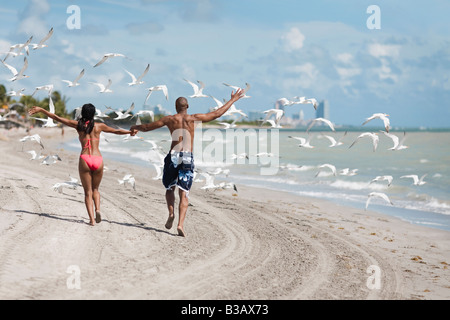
<point>19,46</point>
<point>218,103</point>
<point>36,137</point>
<point>72,184</point>
<point>16,93</point>
<point>233,110</point>
<point>48,88</point>
<point>383,178</point>
<point>34,155</point>
<point>371,135</point>
<point>398,144</point>
<point>49,123</point>
<point>304,143</point>
<point>232,124</point>
<point>334,142</point>
<point>348,172</point>
<point>51,160</point>
<point>382,116</point>
<point>303,100</point>
<point>41,44</point>
<point>75,82</point>
<point>284,102</point>
<point>11,53</point>
<point>198,92</point>
<point>159,171</point>
<point>17,75</point>
<point>326,121</point>
<point>144,112</point>
<point>378,195</point>
<point>416,180</point>
<point>99,114</point>
<point>160,87</point>
<point>277,112</point>
<point>137,81</point>
<point>236,88</point>
<point>103,88</point>
<point>299,100</point>
<point>273,123</point>
<point>123,115</point>
<point>128,179</point>
<point>239,156</point>
<point>329,166</point>
<point>108,56</point>
<point>209,181</point>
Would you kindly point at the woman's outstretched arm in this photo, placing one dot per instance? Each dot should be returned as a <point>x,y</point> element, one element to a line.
<point>109,129</point>
<point>67,122</point>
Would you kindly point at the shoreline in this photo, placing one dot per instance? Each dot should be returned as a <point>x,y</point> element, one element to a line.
<point>260,244</point>
<point>410,215</point>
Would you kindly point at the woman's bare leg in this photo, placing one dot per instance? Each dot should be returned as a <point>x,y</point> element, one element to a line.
<point>86,181</point>
<point>96,180</point>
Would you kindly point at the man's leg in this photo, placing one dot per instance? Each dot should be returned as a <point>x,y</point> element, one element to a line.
<point>184,202</point>
<point>170,199</point>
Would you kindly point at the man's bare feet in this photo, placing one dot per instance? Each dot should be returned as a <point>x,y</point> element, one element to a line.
<point>98,217</point>
<point>169,222</point>
<point>181,232</point>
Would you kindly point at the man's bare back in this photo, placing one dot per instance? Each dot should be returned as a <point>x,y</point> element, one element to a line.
<point>182,124</point>
<point>179,162</point>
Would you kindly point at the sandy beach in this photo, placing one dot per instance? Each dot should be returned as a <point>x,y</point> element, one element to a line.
<point>258,244</point>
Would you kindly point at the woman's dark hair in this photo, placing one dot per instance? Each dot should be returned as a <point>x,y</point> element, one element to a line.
<point>86,122</point>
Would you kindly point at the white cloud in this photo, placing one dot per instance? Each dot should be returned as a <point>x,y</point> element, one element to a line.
<point>385,72</point>
<point>4,45</point>
<point>345,58</point>
<point>31,21</point>
<point>308,69</point>
<point>307,76</point>
<point>293,40</point>
<point>378,50</point>
<point>346,73</point>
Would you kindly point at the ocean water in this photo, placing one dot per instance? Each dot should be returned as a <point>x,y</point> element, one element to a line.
<point>297,169</point>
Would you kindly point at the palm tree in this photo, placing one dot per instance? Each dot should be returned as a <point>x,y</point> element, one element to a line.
<point>4,98</point>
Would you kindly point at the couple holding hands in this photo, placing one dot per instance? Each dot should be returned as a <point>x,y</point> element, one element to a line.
<point>178,164</point>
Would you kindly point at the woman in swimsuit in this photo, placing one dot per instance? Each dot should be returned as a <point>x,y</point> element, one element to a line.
<point>90,165</point>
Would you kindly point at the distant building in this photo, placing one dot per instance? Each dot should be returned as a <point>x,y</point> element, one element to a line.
<point>157,110</point>
<point>323,110</point>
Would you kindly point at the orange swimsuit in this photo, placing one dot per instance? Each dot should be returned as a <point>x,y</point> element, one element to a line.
<point>93,162</point>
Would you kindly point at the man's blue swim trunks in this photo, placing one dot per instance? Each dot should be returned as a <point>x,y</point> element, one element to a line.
<point>178,170</point>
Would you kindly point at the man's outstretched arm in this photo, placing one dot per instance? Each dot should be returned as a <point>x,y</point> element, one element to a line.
<point>150,126</point>
<point>206,117</point>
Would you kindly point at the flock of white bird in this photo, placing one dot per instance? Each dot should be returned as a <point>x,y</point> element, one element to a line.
<point>398,144</point>
<point>272,116</point>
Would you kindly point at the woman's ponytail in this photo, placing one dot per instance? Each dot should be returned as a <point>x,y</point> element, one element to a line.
<point>86,122</point>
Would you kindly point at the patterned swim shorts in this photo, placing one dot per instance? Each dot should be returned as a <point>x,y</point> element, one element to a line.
<point>178,170</point>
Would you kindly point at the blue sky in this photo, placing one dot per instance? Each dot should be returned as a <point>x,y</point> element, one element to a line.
<point>321,49</point>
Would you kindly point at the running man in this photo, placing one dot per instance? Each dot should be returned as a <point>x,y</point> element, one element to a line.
<point>179,162</point>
